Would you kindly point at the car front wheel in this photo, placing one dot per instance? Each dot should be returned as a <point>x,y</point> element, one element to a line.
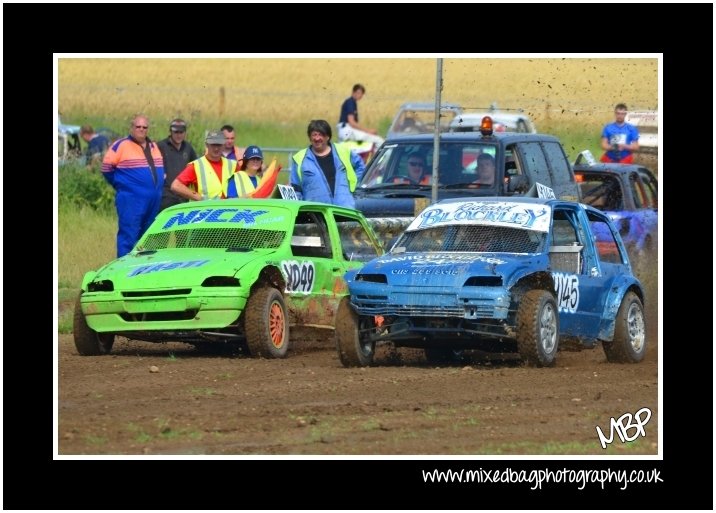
<point>87,341</point>
<point>629,344</point>
<point>266,324</point>
<point>354,347</point>
<point>538,328</point>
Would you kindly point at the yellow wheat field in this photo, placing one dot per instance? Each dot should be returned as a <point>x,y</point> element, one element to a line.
<point>295,90</point>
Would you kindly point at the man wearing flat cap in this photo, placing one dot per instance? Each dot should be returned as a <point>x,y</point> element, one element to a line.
<point>177,153</point>
<point>208,176</point>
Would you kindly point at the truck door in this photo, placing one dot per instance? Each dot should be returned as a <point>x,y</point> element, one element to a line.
<point>563,182</point>
<point>534,165</point>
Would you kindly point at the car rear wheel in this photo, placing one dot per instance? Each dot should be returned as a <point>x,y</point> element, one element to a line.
<point>266,324</point>
<point>538,328</point>
<point>629,344</point>
<point>87,341</point>
<point>354,347</point>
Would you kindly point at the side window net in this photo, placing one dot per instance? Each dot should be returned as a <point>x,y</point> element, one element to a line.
<point>310,237</point>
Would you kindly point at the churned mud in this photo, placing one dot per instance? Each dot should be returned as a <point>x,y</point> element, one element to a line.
<point>148,399</point>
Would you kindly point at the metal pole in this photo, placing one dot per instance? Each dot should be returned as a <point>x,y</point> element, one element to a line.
<point>436,142</point>
<point>222,101</point>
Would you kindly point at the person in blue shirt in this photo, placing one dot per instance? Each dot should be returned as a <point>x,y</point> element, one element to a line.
<point>348,127</point>
<point>619,139</point>
<point>245,181</point>
<point>325,171</point>
<point>96,145</point>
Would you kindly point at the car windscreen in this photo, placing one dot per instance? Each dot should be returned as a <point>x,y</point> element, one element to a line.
<point>224,226</point>
<point>601,190</point>
<point>471,238</point>
<point>421,121</point>
<point>391,167</point>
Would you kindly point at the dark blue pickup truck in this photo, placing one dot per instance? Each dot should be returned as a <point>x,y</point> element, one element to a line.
<point>524,164</point>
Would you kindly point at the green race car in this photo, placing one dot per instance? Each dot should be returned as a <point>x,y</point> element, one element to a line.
<point>240,270</point>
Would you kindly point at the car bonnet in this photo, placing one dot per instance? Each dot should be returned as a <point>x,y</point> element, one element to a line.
<point>175,268</point>
<point>442,269</point>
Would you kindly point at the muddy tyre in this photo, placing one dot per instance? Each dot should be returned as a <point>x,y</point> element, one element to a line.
<point>538,328</point>
<point>629,344</point>
<point>87,341</point>
<point>354,348</point>
<point>266,324</point>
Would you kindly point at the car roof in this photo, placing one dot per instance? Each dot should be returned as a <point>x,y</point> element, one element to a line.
<point>451,212</point>
<point>507,137</point>
<point>251,202</point>
<point>551,202</point>
<point>68,129</point>
<point>475,118</point>
<point>505,199</point>
<point>613,168</point>
<point>429,106</point>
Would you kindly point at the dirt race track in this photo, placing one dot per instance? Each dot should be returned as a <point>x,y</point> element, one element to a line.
<point>199,403</point>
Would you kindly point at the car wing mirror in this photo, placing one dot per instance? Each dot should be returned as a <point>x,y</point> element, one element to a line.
<point>518,183</point>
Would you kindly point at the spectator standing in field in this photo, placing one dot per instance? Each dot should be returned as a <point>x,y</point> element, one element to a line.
<point>134,166</point>
<point>246,179</point>
<point>96,144</point>
<point>348,127</point>
<point>208,176</point>
<point>324,171</point>
<point>177,153</point>
<point>619,139</point>
<point>230,150</point>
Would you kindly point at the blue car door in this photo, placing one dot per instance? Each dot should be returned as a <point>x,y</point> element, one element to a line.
<point>579,282</point>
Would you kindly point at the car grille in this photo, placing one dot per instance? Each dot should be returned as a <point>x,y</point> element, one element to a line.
<point>152,293</point>
<point>424,305</point>
<point>415,311</point>
<point>186,315</point>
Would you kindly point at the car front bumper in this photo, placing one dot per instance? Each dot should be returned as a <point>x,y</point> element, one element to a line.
<point>113,313</point>
<point>465,303</point>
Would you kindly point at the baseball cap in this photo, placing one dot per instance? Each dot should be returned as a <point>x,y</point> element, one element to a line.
<point>178,125</point>
<point>215,137</point>
<point>253,152</point>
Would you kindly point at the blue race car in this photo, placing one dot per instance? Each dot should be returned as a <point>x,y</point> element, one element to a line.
<point>628,193</point>
<point>520,275</point>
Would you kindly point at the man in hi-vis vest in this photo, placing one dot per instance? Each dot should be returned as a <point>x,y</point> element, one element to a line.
<point>208,176</point>
<point>324,171</point>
